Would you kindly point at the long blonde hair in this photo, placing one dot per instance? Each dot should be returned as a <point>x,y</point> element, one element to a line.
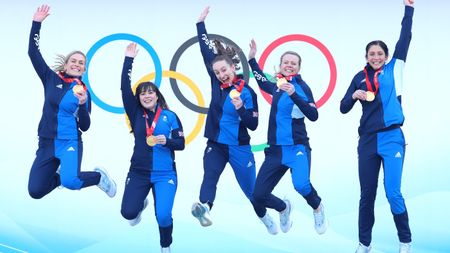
<point>62,60</point>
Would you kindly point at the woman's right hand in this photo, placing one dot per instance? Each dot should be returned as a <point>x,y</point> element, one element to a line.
<point>41,13</point>
<point>359,94</point>
<point>203,15</point>
<point>252,52</point>
<point>409,2</point>
<point>131,50</point>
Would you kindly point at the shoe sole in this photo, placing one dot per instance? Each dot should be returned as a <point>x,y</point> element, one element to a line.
<point>199,213</point>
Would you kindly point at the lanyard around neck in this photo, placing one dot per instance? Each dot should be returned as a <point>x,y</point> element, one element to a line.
<point>150,129</point>
<point>375,81</point>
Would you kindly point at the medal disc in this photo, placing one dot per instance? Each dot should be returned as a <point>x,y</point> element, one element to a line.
<point>77,88</point>
<point>234,94</point>
<point>151,140</point>
<point>370,96</point>
<point>281,81</point>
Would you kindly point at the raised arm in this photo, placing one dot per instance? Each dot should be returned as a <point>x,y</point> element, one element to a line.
<point>402,46</point>
<point>263,83</point>
<point>34,53</point>
<point>206,45</point>
<point>129,101</point>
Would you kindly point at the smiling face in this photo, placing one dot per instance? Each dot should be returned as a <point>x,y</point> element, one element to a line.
<point>376,57</point>
<point>289,65</point>
<point>75,65</point>
<point>224,71</point>
<point>148,99</point>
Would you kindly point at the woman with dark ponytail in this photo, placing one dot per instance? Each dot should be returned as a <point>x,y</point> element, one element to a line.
<point>232,111</point>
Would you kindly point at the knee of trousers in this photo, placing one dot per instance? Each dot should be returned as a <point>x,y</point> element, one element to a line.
<point>164,220</point>
<point>129,213</point>
<point>303,189</point>
<point>396,202</point>
<point>73,183</point>
<point>259,196</point>
<point>36,192</point>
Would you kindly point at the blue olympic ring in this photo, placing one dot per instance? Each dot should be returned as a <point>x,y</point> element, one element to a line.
<point>110,38</point>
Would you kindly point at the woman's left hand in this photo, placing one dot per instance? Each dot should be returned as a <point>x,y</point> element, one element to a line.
<point>161,139</point>
<point>288,87</point>
<point>237,102</point>
<point>82,97</point>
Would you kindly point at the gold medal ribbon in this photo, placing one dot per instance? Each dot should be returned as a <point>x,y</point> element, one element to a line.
<point>76,88</point>
<point>371,93</point>
<point>150,129</point>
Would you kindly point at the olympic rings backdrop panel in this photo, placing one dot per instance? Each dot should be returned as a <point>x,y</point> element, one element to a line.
<point>329,35</point>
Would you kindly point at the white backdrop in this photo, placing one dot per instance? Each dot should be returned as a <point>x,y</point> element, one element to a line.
<point>87,221</point>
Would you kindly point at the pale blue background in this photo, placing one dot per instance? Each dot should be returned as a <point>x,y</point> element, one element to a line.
<point>87,221</point>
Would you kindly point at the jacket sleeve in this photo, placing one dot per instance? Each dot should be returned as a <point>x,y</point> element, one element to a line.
<point>348,102</point>
<point>263,83</point>
<point>41,68</point>
<point>206,48</point>
<point>176,142</point>
<point>84,114</point>
<point>402,46</point>
<point>128,98</point>
<point>249,114</point>
<point>307,107</point>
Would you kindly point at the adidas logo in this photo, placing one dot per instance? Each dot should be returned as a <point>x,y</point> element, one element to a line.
<point>299,153</point>
<point>171,182</point>
<point>250,164</point>
<point>70,149</point>
<point>59,86</point>
<point>398,155</point>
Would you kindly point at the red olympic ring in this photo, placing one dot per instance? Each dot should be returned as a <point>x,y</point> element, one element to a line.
<point>318,45</point>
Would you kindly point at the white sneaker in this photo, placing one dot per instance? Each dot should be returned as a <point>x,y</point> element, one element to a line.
<point>363,249</point>
<point>165,250</point>
<point>201,212</point>
<point>271,226</point>
<point>320,221</point>
<point>405,247</point>
<point>138,218</point>
<point>106,184</point>
<point>285,217</point>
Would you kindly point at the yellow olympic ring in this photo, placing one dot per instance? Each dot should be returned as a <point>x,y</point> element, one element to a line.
<point>191,85</point>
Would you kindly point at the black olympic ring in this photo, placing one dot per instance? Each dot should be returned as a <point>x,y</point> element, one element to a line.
<point>176,58</point>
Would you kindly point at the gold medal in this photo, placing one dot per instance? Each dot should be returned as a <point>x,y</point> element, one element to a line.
<point>281,81</point>
<point>151,141</point>
<point>78,88</point>
<point>234,94</point>
<point>370,96</point>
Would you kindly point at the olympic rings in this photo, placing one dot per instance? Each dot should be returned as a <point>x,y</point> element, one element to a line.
<point>176,58</point>
<point>110,38</point>
<point>173,75</point>
<point>317,44</point>
<point>192,86</point>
